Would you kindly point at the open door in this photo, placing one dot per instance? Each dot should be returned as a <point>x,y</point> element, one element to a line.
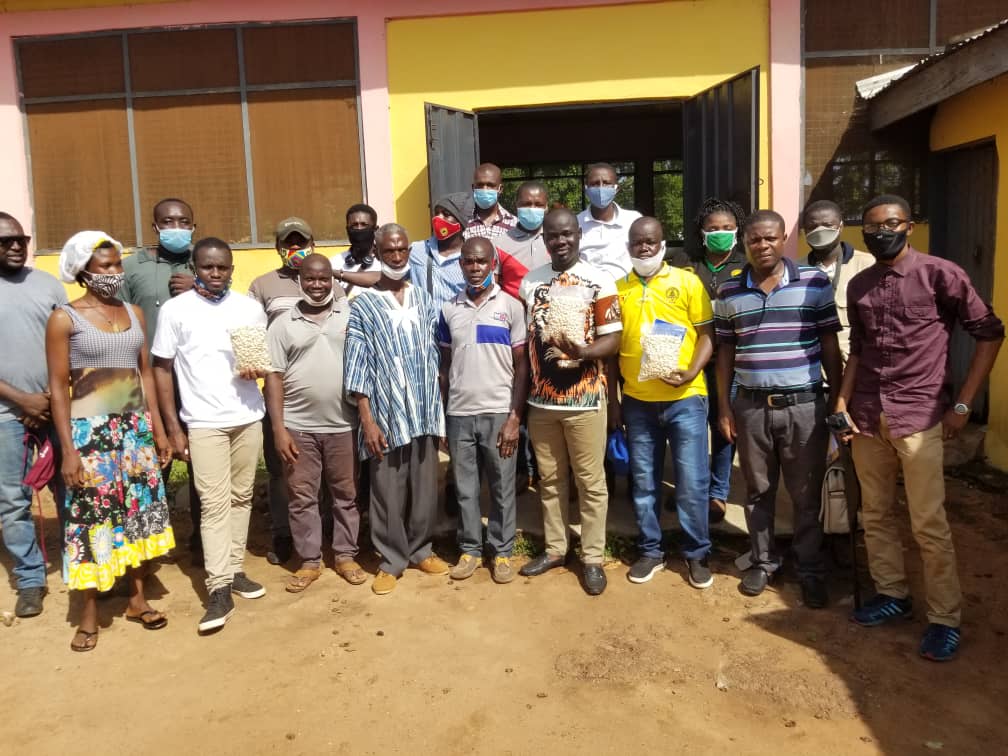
<point>452,149</point>
<point>721,147</point>
<point>964,207</point>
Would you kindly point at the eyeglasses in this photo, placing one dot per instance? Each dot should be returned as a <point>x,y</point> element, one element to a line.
<point>890,224</point>
<point>6,242</point>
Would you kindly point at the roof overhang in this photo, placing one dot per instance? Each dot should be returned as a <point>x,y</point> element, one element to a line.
<point>941,77</point>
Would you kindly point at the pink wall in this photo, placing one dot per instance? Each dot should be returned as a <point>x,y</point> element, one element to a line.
<point>786,114</point>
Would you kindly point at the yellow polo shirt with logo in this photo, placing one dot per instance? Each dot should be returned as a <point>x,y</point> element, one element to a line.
<point>675,296</point>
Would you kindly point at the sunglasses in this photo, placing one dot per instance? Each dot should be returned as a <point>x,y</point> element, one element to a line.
<point>6,242</point>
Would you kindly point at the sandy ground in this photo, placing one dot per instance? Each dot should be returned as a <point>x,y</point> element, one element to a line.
<point>534,666</point>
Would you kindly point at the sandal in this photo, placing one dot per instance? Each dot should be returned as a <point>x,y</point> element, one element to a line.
<point>157,623</point>
<point>302,579</point>
<point>350,571</point>
<point>90,641</point>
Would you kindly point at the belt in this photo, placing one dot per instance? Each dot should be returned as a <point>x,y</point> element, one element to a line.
<point>778,399</point>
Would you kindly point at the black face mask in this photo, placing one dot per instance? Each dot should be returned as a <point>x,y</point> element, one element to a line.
<point>361,239</point>
<point>885,244</point>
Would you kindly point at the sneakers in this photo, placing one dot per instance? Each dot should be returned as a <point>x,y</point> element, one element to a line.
<point>29,602</point>
<point>699,573</point>
<point>881,609</point>
<point>246,588</point>
<point>644,569</point>
<point>220,607</point>
<point>467,565</point>
<point>384,583</point>
<point>940,642</point>
<point>502,572</point>
<point>434,565</point>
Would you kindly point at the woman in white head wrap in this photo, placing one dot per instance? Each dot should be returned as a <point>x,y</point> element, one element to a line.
<point>104,409</point>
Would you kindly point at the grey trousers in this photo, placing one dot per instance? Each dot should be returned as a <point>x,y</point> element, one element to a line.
<point>404,503</point>
<point>472,440</point>
<point>792,440</point>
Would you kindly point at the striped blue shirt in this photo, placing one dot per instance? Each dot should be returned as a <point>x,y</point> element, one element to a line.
<point>776,335</point>
<point>392,358</point>
<point>444,273</point>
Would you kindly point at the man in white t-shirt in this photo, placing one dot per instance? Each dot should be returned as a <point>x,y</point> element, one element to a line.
<point>222,410</point>
<point>605,226</point>
<point>359,267</point>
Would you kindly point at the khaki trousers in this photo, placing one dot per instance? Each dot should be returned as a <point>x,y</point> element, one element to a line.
<point>565,440</point>
<point>920,456</point>
<point>224,466</point>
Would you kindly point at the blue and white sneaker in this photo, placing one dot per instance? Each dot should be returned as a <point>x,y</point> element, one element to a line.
<point>881,609</point>
<point>940,642</point>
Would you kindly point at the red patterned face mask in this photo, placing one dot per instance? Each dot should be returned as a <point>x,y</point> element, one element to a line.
<point>444,229</point>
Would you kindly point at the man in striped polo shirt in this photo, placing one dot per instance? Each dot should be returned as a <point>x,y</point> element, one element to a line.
<point>777,327</point>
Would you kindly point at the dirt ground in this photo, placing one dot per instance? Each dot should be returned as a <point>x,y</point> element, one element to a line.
<point>534,666</point>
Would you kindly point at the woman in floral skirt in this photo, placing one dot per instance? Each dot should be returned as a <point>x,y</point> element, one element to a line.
<point>105,411</point>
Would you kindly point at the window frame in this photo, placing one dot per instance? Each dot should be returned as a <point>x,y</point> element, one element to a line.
<point>243,89</point>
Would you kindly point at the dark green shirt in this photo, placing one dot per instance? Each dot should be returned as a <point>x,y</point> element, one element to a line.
<point>146,284</point>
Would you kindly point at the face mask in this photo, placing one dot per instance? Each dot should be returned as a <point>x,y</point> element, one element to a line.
<point>294,257</point>
<point>885,244</point>
<point>482,286</point>
<point>175,240</point>
<point>200,287</point>
<point>601,196</point>
<point>822,237</point>
<point>444,229</point>
<point>396,274</point>
<point>646,267</point>
<point>361,238</point>
<point>485,198</point>
<point>719,241</point>
<point>530,218</point>
<point>104,284</point>
<point>307,298</point>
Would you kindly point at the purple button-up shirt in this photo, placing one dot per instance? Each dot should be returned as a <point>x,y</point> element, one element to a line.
<point>901,318</point>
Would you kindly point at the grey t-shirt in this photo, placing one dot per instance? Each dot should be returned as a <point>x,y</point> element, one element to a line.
<point>26,300</point>
<point>310,357</point>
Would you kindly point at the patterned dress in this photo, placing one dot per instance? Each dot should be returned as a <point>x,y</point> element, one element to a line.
<point>119,517</point>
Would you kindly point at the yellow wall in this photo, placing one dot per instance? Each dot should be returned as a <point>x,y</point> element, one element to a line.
<point>670,49</point>
<point>249,263</point>
<point>981,112</point>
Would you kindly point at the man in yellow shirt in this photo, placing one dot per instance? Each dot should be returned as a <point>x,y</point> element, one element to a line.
<point>667,339</point>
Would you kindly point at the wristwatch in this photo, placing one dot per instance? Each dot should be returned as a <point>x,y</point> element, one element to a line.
<point>961,408</point>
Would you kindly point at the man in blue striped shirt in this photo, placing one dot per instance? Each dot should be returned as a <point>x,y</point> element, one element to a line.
<point>391,367</point>
<point>777,327</point>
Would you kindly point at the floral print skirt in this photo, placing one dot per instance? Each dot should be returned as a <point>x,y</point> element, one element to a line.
<point>119,517</point>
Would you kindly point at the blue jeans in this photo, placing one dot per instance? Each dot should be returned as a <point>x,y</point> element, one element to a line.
<point>722,450</point>
<point>15,508</point>
<point>683,424</point>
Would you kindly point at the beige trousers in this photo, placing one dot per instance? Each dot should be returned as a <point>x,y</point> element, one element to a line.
<point>565,440</point>
<point>224,466</point>
<point>920,456</point>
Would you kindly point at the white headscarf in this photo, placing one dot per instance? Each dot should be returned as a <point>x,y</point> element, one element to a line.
<point>78,250</point>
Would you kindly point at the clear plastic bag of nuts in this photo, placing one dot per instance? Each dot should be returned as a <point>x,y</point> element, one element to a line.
<point>250,350</point>
<point>567,316</point>
<point>661,343</point>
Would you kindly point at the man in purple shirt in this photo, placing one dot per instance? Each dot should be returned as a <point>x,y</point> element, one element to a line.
<point>902,311</point>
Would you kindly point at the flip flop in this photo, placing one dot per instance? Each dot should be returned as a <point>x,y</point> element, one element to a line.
<point>350,571</point>
<point>154,624</point>
<point>302,579</point>
<point>90,641</point>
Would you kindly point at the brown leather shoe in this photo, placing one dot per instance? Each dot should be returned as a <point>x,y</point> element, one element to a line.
<point>433,565</point>
<point>384,583</point>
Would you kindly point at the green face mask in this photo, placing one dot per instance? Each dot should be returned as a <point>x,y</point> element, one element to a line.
<point>719,241</point>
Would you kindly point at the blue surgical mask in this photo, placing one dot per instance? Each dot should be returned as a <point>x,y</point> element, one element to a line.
<point>175,240</point>
<point>601,196</point>
<point>483,286</point>
<point>530,218</point>
<point>485,198</point>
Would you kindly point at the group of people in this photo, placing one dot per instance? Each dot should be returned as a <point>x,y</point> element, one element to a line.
<point>392,351</point>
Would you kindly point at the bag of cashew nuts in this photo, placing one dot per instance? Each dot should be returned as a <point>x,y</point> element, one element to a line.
<point>250,350</point>
<point>660,346</point>
<point>567,316</point>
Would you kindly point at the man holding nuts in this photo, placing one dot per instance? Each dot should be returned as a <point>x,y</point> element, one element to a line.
<point>222,409</point>
<point>667,340</point>
<point>567,404</point>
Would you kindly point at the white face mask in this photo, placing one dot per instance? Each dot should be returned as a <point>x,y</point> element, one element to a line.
<point>307,298</point>
<point>648,266</point>
<point>822,237</point>
<point>396,274</point>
